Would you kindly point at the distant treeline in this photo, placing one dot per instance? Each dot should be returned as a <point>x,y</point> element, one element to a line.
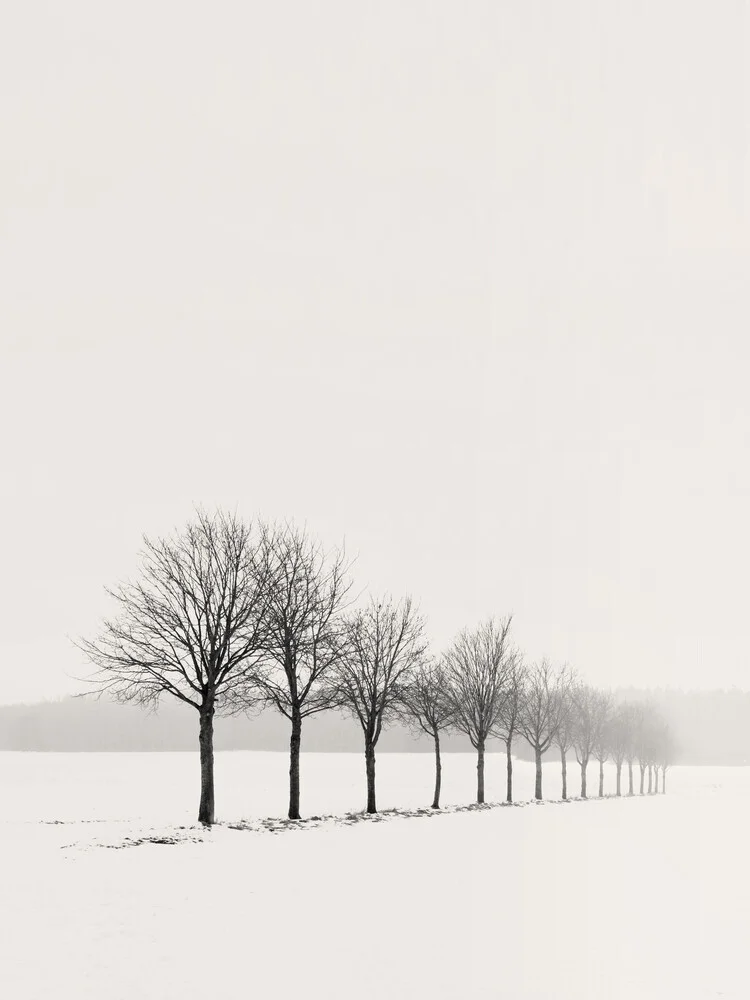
<point>90,724</point>
<point>708,727</point>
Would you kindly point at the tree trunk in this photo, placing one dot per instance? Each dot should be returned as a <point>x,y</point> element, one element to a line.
<point>480,772</point>
<point>618,790</point>
<point>509,773</point>
<point>206,740</point>
<point>538,783</point>
<point>601,779</point>
<point>438,771</point>
<point>564,774</point>
<point>370,769</point>
<point>649,780</point>
<point>584,765</point>
<point>294,749</point>
<point>643,774</point>
<point>630,777</point>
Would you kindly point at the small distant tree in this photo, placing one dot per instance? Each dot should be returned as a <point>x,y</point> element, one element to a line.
<point>653,740</point>
<point>590,708</point>
<point>565,735</point>
<point>540,711</point>
<point>618,741</point>
<point>666,754</point>
<point>509,714</point>
<point>602,745</point>
<point>631,714</point>
<point>383,645</point>
<point>190,627</point>
<point>477,665</point>
<point>307,592</point>
<point>426,707</point>
<point>644,735</point>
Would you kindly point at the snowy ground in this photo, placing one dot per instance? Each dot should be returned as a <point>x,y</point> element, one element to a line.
<point>638,899</point>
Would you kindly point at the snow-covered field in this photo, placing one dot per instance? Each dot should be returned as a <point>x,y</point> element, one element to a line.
<point>638,899</point>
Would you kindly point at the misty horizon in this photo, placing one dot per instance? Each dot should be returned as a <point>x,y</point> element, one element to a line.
<point>708,726</point>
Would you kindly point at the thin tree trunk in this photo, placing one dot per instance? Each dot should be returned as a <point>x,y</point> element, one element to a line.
<point>294,749</point>
<point>643,775</point>
<point>601,779</point>
<point>584,765</point>
<point>438,770</point>
<point>370,770</point>
<point>619,776</point>
<point>206,810</point>
<point>630,778</point>
<point>564,774</point>
<point>538,783</point>
<point>649,780</point>
<point>509,772</point>
<point>480,771</point>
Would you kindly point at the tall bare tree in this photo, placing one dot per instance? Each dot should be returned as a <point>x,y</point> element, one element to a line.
<point>508,724</point>
<point>307,594</point>
<point>190,627</point>
<point>424,705</point>
<point>477,666</point>
<point>540,712</point>
<point>383,644</point>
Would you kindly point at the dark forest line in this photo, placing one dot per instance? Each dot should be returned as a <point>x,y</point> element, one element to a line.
<point>708,727</point>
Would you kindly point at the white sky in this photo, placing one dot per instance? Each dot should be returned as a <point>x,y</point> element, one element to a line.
<point>466,282</point>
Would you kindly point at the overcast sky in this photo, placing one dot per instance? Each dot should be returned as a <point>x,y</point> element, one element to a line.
<point>465,283</point>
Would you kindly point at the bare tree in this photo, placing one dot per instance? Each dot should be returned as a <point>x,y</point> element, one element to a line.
<point>565,735</point>
<point>477,665</point>
<point>644,723</point>
<point>602,745</point>
<point>590,707</point>
<point>191,627</point>
<point>653,738</point>
<point>383,644</point>
<point>509,712</point>
<point>541,710</point>
<point>618,739</point>
<point>307,593</point>
<point>424,705</point>
<point>632,715</point>
<point>666,754</point>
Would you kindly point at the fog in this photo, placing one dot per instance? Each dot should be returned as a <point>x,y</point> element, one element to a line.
<point>464,284</point>
<point>709,727</point>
